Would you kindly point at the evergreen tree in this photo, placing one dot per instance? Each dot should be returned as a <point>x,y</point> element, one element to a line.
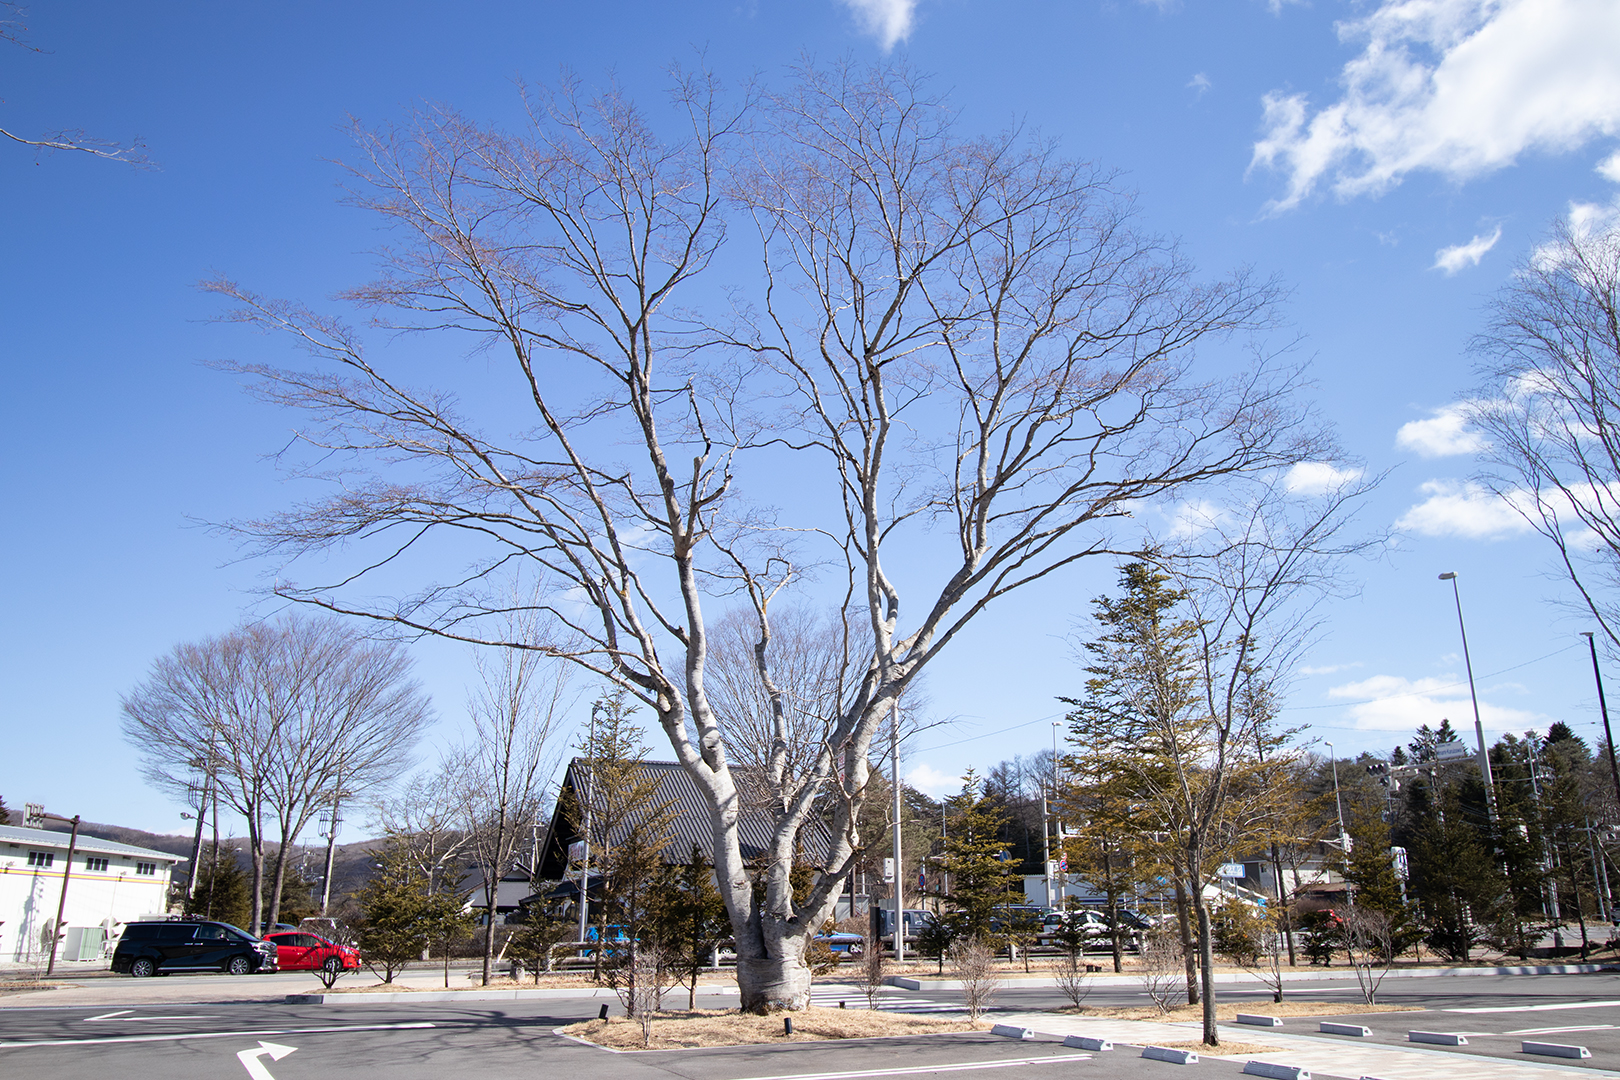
<point>689,919</point>
<point>976,860</point>
<point>1459,887</point>
<point>222,890</point>
<point>401,913</point>
<point>5,815</point>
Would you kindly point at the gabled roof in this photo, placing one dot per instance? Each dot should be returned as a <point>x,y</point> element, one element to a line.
<point>40,838</point>
<point>691,824</point>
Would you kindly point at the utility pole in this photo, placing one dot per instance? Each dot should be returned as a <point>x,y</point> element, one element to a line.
<point>334,819</point>
<point>899,875</point>
<point>1603,707</point>
<point>61,903</point>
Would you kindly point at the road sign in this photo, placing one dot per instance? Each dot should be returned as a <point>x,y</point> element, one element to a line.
<point>33,815</point>
<point>888,870</point>
<point>1451,751</point>
<point>1232,870</point>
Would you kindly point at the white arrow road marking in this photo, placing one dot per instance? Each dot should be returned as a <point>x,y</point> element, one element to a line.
<point>250,1058</point>
<point>121,1014</point>
<point>215,1035</point>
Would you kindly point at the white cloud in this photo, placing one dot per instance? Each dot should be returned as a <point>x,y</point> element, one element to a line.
<point>933,783</point>
<point>1318,478</point>
<point>1458,87</point>
<point>889,21</point>
<point>1444,434</point>
<point>1199,82</point>
<point>1330,669</point>
<point>1190,519</point>
<point>1468,510</point>
<point>1395,703</point>
<point>1609,167</point>
<point>1461,256</point>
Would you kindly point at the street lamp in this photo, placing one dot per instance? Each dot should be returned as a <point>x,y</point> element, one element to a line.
<point>1479,729</point>
<point>1603,707</point>
<point>1333,759</point>
<point>585,854</point>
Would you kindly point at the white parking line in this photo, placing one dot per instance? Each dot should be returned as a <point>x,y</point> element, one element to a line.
<point>1560,1030</point>
<point>214,1035</point>
<point>1537,1008</point>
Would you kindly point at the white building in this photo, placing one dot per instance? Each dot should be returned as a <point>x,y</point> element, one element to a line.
<point>111,884</point>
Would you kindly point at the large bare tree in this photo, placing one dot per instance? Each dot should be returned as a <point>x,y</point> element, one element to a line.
<point>960,352</point>
<point>277,715</point>
<point>1549,407</point>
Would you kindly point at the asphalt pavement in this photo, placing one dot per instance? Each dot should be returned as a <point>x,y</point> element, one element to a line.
<point>269,1040</point>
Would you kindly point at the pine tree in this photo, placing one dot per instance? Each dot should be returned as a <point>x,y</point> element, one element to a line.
<point>222,890</point>
<point>401,914</point>
<point>976,860</point>
<point>689,918</point>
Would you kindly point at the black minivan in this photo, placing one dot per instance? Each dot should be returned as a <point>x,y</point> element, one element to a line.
<point>156,948</point>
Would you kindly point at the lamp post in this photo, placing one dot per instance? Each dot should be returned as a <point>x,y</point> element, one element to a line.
<point>1479,729</point>
<point>899,874</point>
<point>585,857</point>
<point>1333,759</point>
<point>1603,707</point>
<point>61,903</point>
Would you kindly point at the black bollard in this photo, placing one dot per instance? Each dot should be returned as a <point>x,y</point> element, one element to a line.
<point>603,1014</point>
<point>787,1025</point>
<point>840,1004</point>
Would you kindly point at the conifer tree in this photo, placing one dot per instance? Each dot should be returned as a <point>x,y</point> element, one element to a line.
<point>976,860</point>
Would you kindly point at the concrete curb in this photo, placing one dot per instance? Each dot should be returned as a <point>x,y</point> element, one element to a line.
<point>906,982</point>
<point>382,997</point>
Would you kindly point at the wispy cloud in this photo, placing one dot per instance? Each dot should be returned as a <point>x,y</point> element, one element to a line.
<point>1329,669</point>
<point>1457,87</point>
<point>1461,256</point>
<point>1200,82</point>
<point>1396,703</point>
<point>1467,510</point>
<point>890,21</point>
<point>1444,434</point>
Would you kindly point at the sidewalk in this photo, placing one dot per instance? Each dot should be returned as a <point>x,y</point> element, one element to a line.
<point>1320,1056</point>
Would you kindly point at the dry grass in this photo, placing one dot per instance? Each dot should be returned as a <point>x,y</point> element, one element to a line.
<point>1226,1012</point>
<point>1226,1049</point>
<point>708,1027</point>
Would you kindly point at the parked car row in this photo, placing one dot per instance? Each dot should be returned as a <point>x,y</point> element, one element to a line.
<point>161,947</point>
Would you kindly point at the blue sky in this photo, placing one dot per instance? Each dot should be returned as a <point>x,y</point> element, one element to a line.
<point>1389,161</point>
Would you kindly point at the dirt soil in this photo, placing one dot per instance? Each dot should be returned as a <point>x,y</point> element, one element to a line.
<point>707,1027</point>
<point>1227,1012</point>
<point>1226,1049</point>
<point>458,981</point>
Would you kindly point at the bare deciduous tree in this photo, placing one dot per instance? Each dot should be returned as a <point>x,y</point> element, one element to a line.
<point>501,774</point>
<point>277,715</point>
<point>131,153</point>
<point>948,336</point>
<point>1549,409</point>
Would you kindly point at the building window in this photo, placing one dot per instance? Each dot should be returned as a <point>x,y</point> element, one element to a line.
<point>95,864</point>
<point>41,858</point>
<point>146,869</point>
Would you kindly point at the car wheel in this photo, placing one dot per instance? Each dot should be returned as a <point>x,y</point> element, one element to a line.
<point>240,965</point>
<point>143,969</point>
<point>332,966</point>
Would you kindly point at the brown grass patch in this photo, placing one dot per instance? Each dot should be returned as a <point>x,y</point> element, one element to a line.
<point>714,1027</point>
<point>1226,1049</point>
<point>1226,1012</point>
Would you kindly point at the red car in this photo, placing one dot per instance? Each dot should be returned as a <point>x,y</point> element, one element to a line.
<point>297,950</point>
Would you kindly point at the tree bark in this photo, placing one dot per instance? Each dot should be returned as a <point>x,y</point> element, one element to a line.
<point>1185,925</point>
<point>1206,961</point>
<point>773,983</point>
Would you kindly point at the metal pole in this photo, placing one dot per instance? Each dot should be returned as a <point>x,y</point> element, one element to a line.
<point>1479,729</point>
<point>1603,707</point>
<point>61,903</point>
<point>1338,802</point>
<point>899,874</point>
<point>585,860</point>
<point>196,843</point>
<point>1046,848</point>
<point>331,851</point>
